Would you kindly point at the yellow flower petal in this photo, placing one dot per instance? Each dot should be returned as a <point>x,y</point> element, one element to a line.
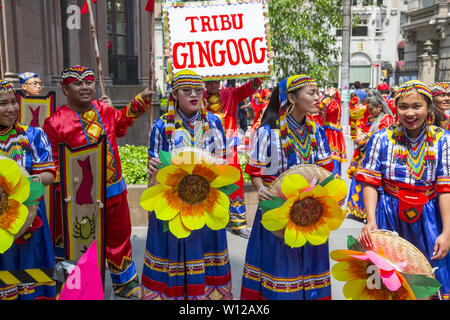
<point>344,255</point>
<point>178,229</point>
<point>354,289</point>
<point>151,195</point>
<point>343,271</point>
<point>319,234</point>
<point>172,175</point>
<point>6,240</point>
<point>316,192</point>
<point>188,159</point>
<point>277,219</point>
<point>293,184</point>
<point>333,214</point>
<point>227,175</point>
<point>193,216</point>
<point>10,170</point>
<point>217,203</point>
<point>292,236</point>
<point>337,189</point>
<point>217,221</point>
<point>164,209</point>
<point>14,217</point>
<point>271,221</point>
<point>21,190</point>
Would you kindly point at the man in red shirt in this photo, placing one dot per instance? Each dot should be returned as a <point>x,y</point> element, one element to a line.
<point>82,121</point>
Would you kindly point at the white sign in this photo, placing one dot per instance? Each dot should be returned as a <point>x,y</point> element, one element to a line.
<point>218,39</point>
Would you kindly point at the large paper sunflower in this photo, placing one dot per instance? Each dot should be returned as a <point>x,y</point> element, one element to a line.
<point>191,192</point>
<point>14,191</point>
<point>309,212</point>
<point>370,275</point>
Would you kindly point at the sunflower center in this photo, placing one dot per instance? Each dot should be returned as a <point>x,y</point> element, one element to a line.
<point>306,212</point>
<point>193,189</point>
<point>3,201</point>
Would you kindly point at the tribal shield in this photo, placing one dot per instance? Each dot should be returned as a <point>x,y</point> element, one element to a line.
<point>83,199</point>
<point>33,110</point>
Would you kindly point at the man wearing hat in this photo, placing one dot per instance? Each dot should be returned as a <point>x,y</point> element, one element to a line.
<point>31,83</point>
<point>82,121</point>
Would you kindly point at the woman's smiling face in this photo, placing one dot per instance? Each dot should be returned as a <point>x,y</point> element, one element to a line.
<point>412,112</point>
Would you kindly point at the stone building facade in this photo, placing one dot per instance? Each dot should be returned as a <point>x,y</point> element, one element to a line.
<point>427,48</point>
<point>45,36</point>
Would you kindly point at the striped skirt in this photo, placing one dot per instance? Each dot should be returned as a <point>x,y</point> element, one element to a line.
<point>194,268</point>
<point>275,271</point>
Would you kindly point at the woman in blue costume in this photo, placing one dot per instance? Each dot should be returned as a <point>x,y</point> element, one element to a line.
<point>272,269</point>
<point>411,159</point>
<point>380,117</point>
<point>29,147</point>
<point>196,267</point>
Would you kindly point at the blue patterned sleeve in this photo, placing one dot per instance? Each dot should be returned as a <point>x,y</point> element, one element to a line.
<point>371,166</point>
<point>443,164</point>
<point>41,151</point>
<point>323,151</point>
<point>157,141</point>
<point>260,152</point>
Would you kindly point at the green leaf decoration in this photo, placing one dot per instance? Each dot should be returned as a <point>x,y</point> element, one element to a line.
<point>165,158</point>
<point>422,285</point>
<point>229,189</point>
<point>37,190</point>
<point>327,180</point>
<point>267,205</point>
<point>353,244</point>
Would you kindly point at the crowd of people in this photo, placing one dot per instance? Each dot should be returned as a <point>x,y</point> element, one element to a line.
<point>401,143</point>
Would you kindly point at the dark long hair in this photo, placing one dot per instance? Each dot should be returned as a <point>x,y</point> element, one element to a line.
<point>272,113</point>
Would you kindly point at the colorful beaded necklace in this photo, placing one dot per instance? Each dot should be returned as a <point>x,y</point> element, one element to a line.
<point>300,136</point>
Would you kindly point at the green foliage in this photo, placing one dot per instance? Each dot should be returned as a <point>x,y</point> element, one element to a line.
<point>134,164</point>
<point>301,37</point>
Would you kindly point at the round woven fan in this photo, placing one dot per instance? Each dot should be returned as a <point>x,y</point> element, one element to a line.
<point>32,210</point>
<point>401,253</point>
<point>201,153</point>
<point>308,171</point>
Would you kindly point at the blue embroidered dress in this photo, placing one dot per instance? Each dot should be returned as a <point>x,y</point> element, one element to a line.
<point>395,162</point>
<point>196,267</point>
<point>29,147</point>
<point>273,270</point>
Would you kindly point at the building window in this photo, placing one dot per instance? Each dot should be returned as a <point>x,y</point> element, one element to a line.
<point>360,29</point>
<point>123,63</point>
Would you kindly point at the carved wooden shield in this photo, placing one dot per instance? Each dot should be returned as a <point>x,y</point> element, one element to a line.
<point>83,199</point>
<point>33,111</point>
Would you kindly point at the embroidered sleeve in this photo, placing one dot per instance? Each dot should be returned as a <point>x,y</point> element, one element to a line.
<point>156,139</point>
<point>323,152</point>
<point>41,153</point>
<point>260,152</point>
<point>443,166</point>
<point>370,168</point>
<point>128,115</point>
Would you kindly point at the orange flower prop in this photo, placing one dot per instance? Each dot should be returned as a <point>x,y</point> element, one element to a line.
<point>192,192</point>
<point>14,191</point>
<point>370,276</point>
<point>309,212</point>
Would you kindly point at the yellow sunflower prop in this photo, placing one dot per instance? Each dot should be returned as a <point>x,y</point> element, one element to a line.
<point>192,192</point>
<point>371,275</point>
<point>14,191</point>
<point>309,212</point>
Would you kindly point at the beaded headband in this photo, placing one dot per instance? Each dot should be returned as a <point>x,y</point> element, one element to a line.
<point>184,78</point>
<point>411,87</point>
<point>77,73</point>
<point>23,77</point>
<point>439,88</point>
<point>286,86</point>
<point>6,87</point>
